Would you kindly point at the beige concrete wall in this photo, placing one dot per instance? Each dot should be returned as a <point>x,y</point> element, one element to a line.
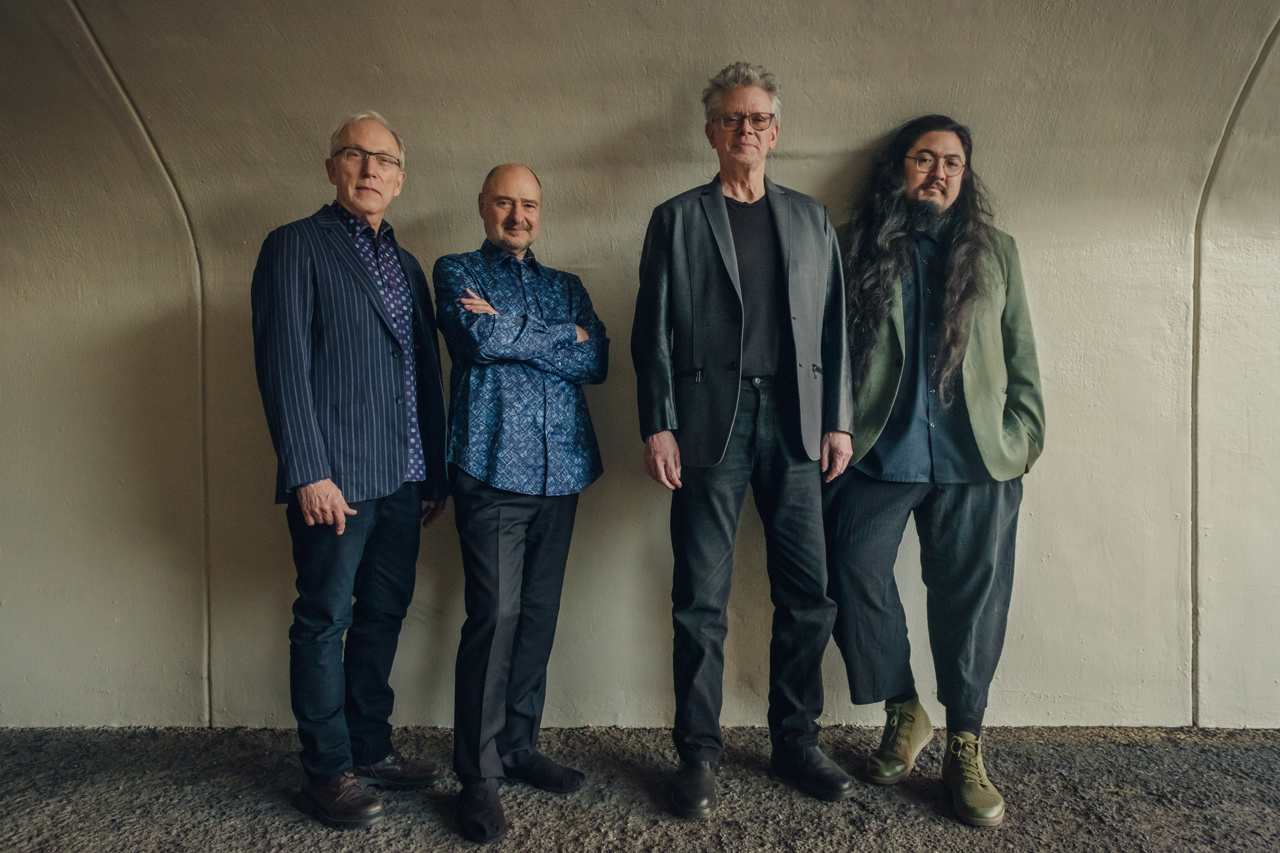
<point>102,567</point>
<point>1238,450</point>
<point>127,364</point>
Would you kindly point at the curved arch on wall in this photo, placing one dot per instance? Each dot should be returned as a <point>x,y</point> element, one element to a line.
<point>1236,462</point>
<point>103,536</point>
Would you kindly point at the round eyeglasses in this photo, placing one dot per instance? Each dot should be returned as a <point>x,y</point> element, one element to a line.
<point>925,162</point>
<point>733,121</point>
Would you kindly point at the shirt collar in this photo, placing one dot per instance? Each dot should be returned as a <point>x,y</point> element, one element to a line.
<point>493,253</point>
<point>356,228</point>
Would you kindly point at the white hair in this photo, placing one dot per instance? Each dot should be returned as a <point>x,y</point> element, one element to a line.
<point>737,76</point>
<point>365,115</point>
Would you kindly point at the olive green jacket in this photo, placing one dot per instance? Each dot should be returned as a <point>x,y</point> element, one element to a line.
<point>1000,373</point>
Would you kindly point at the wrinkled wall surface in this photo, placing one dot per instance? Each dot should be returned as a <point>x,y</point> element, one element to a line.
<point>144,572</point>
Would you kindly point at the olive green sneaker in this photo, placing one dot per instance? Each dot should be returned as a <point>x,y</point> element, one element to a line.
<point>976,800</point>
<point>906,732</point>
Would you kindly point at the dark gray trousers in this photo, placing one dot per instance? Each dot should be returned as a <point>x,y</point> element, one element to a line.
<point>967,534</point>
<point>514,549</point>
<point>764,453</point>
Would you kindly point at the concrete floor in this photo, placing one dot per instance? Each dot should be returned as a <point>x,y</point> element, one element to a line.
<point>1068,789</point>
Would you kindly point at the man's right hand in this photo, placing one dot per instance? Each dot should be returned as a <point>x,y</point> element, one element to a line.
<point>322,503</point>
<point>662,458</point>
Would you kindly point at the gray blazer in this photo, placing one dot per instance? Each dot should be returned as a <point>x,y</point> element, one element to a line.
<point>686,342</point>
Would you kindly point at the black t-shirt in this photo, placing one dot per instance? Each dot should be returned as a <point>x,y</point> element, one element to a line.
<point>764,299</point>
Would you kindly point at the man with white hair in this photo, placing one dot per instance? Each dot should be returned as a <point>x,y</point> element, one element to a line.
<point>349,370</point>
<point>742,368</point>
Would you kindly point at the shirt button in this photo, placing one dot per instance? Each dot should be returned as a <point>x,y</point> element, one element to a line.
<point>400,402</point>
<point>931,426</point>
<point>397,354</point>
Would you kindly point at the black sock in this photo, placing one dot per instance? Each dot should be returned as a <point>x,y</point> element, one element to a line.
<point>968,720</point>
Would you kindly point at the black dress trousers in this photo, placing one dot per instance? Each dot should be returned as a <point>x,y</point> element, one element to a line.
<point>766,454</point>
<point>514,549</point>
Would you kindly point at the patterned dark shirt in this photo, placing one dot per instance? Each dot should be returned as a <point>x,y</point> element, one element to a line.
<point>380,259</point>
<point>518,419</point>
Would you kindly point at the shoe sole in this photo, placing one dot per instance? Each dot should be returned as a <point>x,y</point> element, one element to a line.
<point>817,793</point>
<point>312,808</point>
<point>693,814</point>
<point>911,764</point>
<point>981,821</point>
<point>388,785</point>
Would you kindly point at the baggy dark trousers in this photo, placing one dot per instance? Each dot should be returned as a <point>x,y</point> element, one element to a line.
<point>763,452</point>
<point>967,536</point>
<point>340,695</point>
<point>514,549</point>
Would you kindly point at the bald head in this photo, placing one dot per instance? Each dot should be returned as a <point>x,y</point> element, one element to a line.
<point>511,206</point>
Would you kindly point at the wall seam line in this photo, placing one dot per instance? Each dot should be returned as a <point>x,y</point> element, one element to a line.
<point>1196,319</point>
<point>201,360</point>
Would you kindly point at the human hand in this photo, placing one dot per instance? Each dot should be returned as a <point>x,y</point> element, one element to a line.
<point>837,448</point>
<point>431,510</point>
<point>476,305</point>
<point>662,458</point>
<point>322,503</point>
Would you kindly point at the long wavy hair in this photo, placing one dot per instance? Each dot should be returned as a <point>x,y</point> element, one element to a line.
<point>880,252</point>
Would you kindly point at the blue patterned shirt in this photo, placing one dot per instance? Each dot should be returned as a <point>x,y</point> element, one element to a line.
<point>380,259</point>
<point>518,419</point>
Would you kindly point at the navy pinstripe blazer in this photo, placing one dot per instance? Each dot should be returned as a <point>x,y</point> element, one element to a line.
<point>330,369</point>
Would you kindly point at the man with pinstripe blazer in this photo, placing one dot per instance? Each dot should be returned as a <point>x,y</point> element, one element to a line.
<point>349,370</point>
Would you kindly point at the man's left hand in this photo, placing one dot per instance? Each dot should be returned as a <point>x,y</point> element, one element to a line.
<point>476,305</point>
<point>837,448</point>
<point>431,510</point>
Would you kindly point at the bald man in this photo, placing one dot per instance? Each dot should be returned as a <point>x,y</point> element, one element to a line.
<point>524,340</point>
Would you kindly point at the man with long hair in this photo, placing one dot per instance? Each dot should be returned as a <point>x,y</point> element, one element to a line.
<point>949,416</point>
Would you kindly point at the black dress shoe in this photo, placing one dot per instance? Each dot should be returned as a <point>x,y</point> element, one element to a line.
<point>811,771</point>
<point>398,771</point>
<point>541,772</point>
<point>480,817</point>
<point>693,790</point>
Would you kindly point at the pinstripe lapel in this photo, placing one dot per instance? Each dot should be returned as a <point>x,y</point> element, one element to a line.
<point>718,218</point>
<point>340,240</point>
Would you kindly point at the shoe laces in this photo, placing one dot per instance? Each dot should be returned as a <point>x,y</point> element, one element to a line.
<point>895,728</point>
<point>969,758</point>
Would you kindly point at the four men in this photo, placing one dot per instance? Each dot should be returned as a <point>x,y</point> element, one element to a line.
<point>742,378</point>
<point>524,340</point>
<point>750,372</point>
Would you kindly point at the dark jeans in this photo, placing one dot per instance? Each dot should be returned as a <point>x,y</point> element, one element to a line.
<point>341,697</point>
<point>514,549</point>
<point>967,535</point>
<point>763,452</point>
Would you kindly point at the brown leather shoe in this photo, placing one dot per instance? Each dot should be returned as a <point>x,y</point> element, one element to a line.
<point>398,771</point>
<point>342,802</point>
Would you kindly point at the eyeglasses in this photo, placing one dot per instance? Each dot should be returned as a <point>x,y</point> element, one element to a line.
<point>352,154</point>
<point>951,166</point>
<point>733,121</point>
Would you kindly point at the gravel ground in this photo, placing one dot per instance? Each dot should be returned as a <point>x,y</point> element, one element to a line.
<point>1067,789</point>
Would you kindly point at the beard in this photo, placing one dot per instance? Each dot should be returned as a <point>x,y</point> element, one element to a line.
<point>926,217</point>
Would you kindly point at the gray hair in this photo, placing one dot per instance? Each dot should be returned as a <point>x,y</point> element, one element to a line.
<point>365,115</point>
<point>737,76</point>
